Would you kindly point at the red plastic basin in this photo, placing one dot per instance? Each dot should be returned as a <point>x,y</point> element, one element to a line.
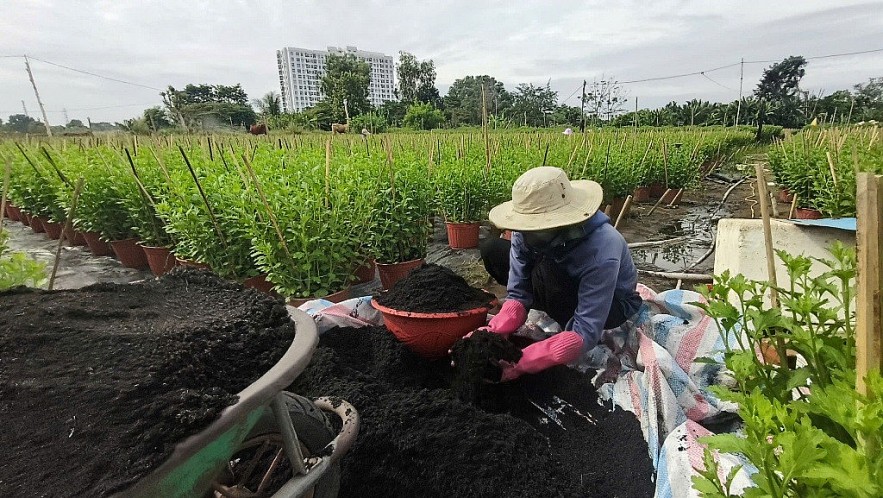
<point>431,334</point>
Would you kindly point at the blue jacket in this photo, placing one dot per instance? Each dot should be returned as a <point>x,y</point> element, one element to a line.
<point>599,261</point>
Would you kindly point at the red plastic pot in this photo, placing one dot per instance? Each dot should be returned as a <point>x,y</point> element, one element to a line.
<point>13,212</point>
<point>807,214</point>
<point>129,253</point>
<point>641,194</point>
<point>73,237</point>
<point>785,196</point>
<point>260,283</point>
<point>390,273</point>
<point>616,206</point>
<point>656,190</point>
<point>96,245</point>
<point>431,334</point>
<point>192,264</point>
<point>462,235</point>
<point>25,219</point>
<point>36,224</point>
<point>334,298</point>
<point>366,272</point>
<point>53,229</point>
<point>159,259</point>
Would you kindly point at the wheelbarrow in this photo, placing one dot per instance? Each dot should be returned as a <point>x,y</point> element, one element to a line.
<point>269,425</point>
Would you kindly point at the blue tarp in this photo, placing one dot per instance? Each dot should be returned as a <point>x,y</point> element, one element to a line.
<point>838,223</point>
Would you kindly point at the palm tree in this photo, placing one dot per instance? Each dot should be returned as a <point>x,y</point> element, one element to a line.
<point>269,105</point>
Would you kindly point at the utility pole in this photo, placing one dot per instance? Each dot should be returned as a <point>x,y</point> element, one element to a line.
<point>582,124</point>
<point>741,76</point>
<point>39,102</point>
<point>66,119</point>
<point>636,111</point>
<point>25,108</point>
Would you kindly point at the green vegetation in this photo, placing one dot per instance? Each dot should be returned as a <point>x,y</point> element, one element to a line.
<point>806,429</point>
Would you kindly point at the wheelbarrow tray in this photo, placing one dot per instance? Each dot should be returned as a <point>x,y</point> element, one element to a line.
<point>197,460</point>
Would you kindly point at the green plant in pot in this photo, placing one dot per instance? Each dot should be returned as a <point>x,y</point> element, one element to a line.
<point>462,199</point>
<point>401,228</point>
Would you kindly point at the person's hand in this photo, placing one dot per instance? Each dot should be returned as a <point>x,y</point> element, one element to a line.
<point>560,349</point>
<point>511,316</point>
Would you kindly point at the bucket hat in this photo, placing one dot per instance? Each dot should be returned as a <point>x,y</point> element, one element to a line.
<point>544,198</point>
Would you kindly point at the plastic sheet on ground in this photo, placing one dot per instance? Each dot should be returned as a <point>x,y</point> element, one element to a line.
<point>647,366</point>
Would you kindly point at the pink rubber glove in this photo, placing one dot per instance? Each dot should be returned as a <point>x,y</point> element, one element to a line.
<point>560,349</point>
<point>511,316</point>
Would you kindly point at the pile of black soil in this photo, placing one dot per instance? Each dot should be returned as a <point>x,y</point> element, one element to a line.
<point>417,438</point>
<point>476,362</point>
<point>433,289</point>
<point>97,385</point>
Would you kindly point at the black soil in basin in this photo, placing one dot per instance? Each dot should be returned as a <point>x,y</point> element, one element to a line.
<point>541,435</point>
<point>433,289</point>
<point>97,385</point>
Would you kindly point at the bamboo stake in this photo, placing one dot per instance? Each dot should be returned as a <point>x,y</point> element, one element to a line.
<point>831,166</point>
<point>67,227</point>
<point>626,206</point>
<point>793,206</point>
<point>270,213</point>
<point>208,206</point>
<point>667,191</point>
<point>327,173</point>
<point>688,277</point>
<point>676,198</point>
<point>6,175</point>
<point>763,198</point>
<point>869,280</point>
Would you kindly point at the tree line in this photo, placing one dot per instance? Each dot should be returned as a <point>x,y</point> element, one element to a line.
<point>777,100</point>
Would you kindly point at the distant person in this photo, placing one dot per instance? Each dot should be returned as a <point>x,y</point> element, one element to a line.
<point>568,131</point>
<point>565,258</point>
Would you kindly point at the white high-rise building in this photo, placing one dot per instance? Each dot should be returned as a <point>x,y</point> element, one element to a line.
<point>301,71</point>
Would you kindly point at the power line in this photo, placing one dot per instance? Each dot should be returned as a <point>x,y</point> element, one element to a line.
<point>82,71</point>
<point>694,73</point>
<point>716,83</point>
<point>843,54</point>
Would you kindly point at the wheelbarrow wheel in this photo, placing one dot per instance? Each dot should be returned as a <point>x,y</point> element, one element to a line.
<point>260,467</point>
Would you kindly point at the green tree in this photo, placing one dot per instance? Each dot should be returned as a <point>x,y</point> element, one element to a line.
<point>605,99</point>
<point>869,100</point>
<point>464,99</point>
<point>779,87</point>
<point>346,79</point>
<point>209,104</point>
<point>269,105</point>
<point>394,112</point>
<point>531,105</point>
<point>156,118</point>
<point>20,123</point>
<point>416,80</point>
<point>423,117</point>
<point>75,123</point>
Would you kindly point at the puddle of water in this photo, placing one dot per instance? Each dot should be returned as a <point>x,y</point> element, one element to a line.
<point>697,225</point>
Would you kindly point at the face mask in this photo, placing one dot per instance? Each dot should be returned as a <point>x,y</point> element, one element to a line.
<point>543,240</point>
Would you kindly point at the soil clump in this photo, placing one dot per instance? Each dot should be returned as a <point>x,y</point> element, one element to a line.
<point>433,289</point>
<point>97,385</point>
<point>476,362</point>
<point>418,438</point>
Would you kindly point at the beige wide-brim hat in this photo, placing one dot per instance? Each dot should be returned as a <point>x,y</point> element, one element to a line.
<point>544,198</point>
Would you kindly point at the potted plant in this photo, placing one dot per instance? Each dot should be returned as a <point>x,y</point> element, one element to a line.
<point>461,195</point>
<point>401,229</point>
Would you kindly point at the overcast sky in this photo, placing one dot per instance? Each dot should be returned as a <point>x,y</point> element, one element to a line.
<point>179,42</point>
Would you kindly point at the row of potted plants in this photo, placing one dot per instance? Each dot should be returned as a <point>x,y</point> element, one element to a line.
<point>305,218</point>
<point>818,166</point>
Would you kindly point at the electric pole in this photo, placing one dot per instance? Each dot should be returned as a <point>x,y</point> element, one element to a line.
<point>582,124</point>
<point>39,102</point>
<point>741,75</point>
<point>66,119</point>
<point>25,108</point>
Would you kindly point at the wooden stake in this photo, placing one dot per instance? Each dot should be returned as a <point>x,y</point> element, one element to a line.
<point>67,228</point>
<point>6,175</point>
<point>667,191</point>
<point>869,281</point>
<point>831,166</point>
<point>626,206</point>
<point>676,199</point>
<point>793,206</point>
<point>763,198</point>
<point>327,173</point>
